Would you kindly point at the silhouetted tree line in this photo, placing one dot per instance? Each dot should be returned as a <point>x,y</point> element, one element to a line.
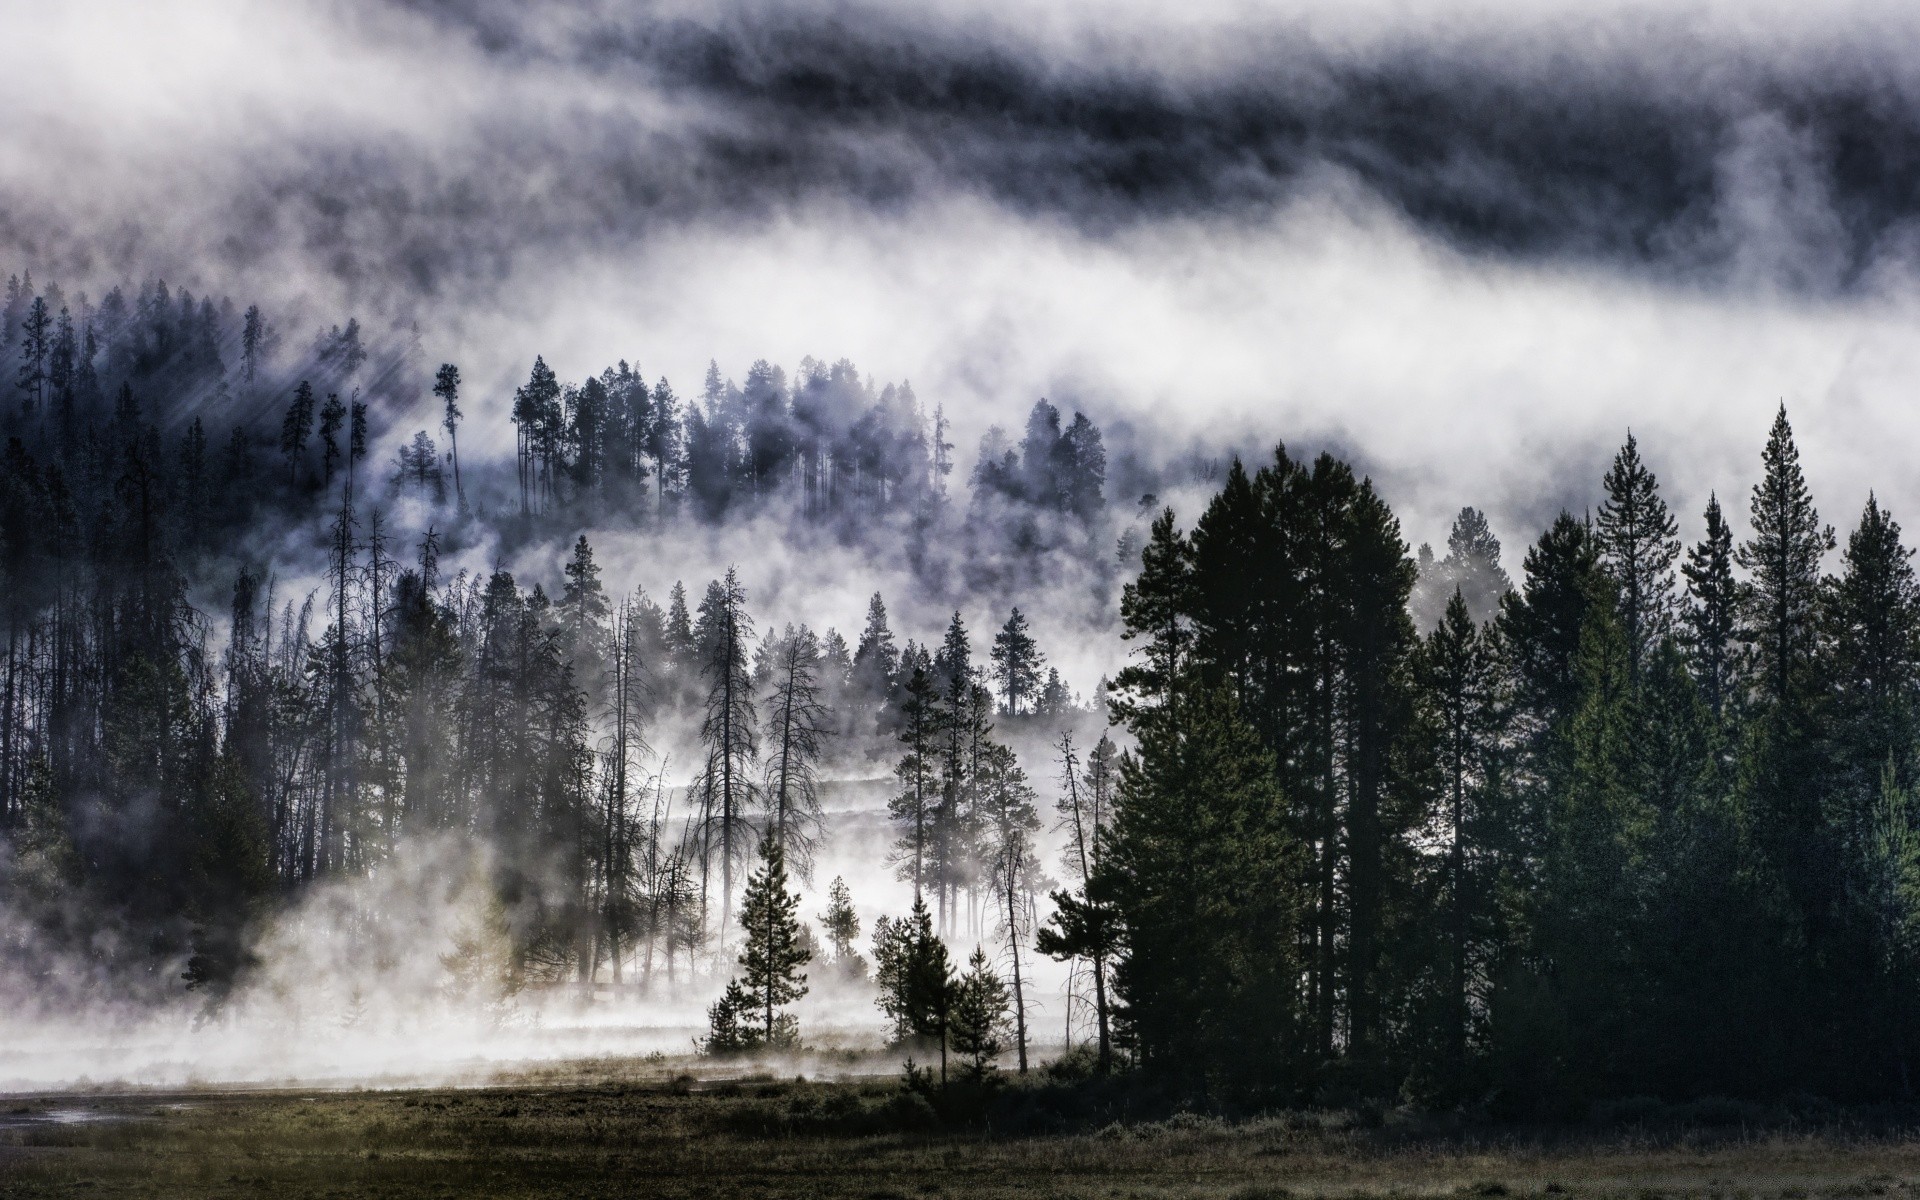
<point>1618,830</point>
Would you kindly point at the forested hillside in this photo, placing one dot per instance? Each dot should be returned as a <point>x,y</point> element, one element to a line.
<point>1385,825</point>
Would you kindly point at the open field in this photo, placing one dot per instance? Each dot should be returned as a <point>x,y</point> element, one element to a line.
<point>680,1138</point>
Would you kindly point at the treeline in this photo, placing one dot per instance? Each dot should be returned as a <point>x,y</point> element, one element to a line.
<point>827,446</point>
<point>163,789</point>
<point>1641,831</point>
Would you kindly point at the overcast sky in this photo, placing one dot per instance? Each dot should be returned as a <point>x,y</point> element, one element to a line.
<point>1467,245</point>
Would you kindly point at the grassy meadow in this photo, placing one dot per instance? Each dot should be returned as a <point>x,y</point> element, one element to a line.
<point>591,1133</point>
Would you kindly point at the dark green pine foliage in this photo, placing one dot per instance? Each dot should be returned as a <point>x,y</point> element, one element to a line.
<point>1712,613</point>
<point>770,961</point>
<point>1780,600</point>
<point>1209,878</point>
<point>1784,763</point>
<point>1872,617</point>
<point>1540,628</point>
<point>1156,611</point>
<point>1460,710</point>
<point>1639,543</point>
<point>915,979</point>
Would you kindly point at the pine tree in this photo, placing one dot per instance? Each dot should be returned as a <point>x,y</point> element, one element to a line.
<point>36,330</point>
<point>770,962</point>
<point>876,660</point>
<point>584,616</point>
<point>979,1016</point>
<point>729,729</point>
<point>1011,820</point>
<point>915,978</point>
<point>918,773</point>
<point>1638,542</point>
<point>1016,662</point>
<point>252,339</point>
<point>1872,618</point>
<point>296,428</point>
<point>446,385</point>
<point>333,415</point>
<point>1540,629</point>
<point>842,926</point>
<point>1779,602</point>
<point>1156,609</point>
<point>796,731</point>
<point>1712,612</point>
<point>1212,889</point>
<point>1458,677</point>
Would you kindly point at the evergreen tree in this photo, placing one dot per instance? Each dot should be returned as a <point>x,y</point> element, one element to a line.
<point>796,731</point>
<point>918,773</point>
<point>296,428</point>
<point>1712,612</point>
<point>1016,662</point>
<point>1156,609</point>
<point>915,978</point>
<point>1211,887</point>
<point>446,385</point>
<point>770,961</point>
<point>979,1016</point>
<point>1638,543</point>
<point>1872,617</point>
<point>1779,602</point>
<point>1459,682</point>
<point>36,346</point>
<point>333,415</point>
<point>842,926</point>
<point>729,730</point>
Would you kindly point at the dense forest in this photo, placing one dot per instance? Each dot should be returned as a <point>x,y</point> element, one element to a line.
<point>169,777</point>
<point>1353,822</point>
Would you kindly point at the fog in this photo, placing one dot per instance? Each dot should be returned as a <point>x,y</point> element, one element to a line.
<point>1468,247</point>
